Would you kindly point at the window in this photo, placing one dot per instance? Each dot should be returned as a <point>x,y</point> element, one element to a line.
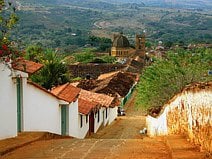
<point>81,121</point>
<point>106,113</point>
<point>86,119</point>
<point>98,117</point>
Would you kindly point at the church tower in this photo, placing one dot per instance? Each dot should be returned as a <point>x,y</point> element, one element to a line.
<point>140,43</point>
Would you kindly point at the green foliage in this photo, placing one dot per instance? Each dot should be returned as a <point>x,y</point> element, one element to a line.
<point>76,79</point>
<point>101,43</point>
<point>64,28</point>
<point>8,18</point>
<point>54,72</point>
<point>34,53</point>
<point>85,56</point>
<point>166,77</point>
<point>8,50</point>
<point>108,59</point>
<point>59,26</point>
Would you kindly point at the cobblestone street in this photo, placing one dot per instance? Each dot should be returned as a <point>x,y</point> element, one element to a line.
<point>120,140</point>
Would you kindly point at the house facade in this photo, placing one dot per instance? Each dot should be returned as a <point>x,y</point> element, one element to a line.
<point>42,110</point>
<point>69,110</point>
<point>101,115</point>
<point>8,107</point>
<point>65,110</point>
<point>86,117</point>
<point>12,85</point>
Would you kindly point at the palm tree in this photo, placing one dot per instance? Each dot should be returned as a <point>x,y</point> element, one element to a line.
<point>55,71</point>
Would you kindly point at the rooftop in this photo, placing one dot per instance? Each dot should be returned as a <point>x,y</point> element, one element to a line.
<point>85,106</point>
<point>120,41</point>
<point>66,92</point>
<point>26,66</point>
<point>117,84</point>
<point>102,99</point>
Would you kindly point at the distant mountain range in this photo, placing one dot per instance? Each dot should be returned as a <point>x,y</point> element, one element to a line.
<point>188,4</point>
<point>180,3</point>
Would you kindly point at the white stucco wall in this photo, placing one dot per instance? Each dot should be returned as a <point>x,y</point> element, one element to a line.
<point>82,131</point>
<point>8,104</point>
<point>74,122</point>
<point>96,123</point>
<point>112,114</point>
<point>157,126</point>
<point>105,117</point>
<point>41,111</point>
<point>188,112</point>
<point>73,119</point>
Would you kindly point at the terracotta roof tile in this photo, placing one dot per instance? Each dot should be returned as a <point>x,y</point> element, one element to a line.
<point>58,89</point>
<point>117,84</point>
<point>102,99</point>
<point>85,107</point>
<point>66,92</point>
<point>106,75</point>
<point>26,66</point>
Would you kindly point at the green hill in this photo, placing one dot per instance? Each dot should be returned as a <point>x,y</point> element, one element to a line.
<point>68,24</point>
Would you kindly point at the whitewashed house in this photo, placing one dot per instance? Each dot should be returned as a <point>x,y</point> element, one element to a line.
<point>12,84</point>
<point>69,110</point>
<point>26,106</point>
<point>101,115</point>
<point>86,117</point>
<point>44,111</point>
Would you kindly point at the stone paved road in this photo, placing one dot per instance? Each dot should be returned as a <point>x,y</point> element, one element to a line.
<point>92,149</point>
<point>120,140</point>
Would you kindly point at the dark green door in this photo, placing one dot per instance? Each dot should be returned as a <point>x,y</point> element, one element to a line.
<point>64,116</point>
<point>19,104</point>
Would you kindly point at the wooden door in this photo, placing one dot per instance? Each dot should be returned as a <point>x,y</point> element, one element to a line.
<point>64,122</point>
<point>91,122</point>
<point>19,104</point>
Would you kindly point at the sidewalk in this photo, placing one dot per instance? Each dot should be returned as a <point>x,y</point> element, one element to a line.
<point>23,139</point>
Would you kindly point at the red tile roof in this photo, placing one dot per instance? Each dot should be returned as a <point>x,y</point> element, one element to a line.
<point>102,99</point>
<point>58,89</point>
<point>85,107</point>
<point>106,75</point>
<point>66,92</point>
<point>26,66</point>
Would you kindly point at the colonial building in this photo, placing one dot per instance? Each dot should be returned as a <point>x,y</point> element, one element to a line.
<point>121,46</point>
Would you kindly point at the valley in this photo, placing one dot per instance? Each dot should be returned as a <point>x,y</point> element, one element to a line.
<point>69,24</point>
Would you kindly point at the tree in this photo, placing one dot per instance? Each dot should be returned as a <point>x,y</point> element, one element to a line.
<point>8,19</point>
<point>102,43</point>
<point>85,56</point>
<point>34,53</point>
<point>166,77</point>
<point>55,71</point>
<point>108,59</point>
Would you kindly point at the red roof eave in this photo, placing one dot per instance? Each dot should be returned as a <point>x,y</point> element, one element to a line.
<point>27,66</point>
